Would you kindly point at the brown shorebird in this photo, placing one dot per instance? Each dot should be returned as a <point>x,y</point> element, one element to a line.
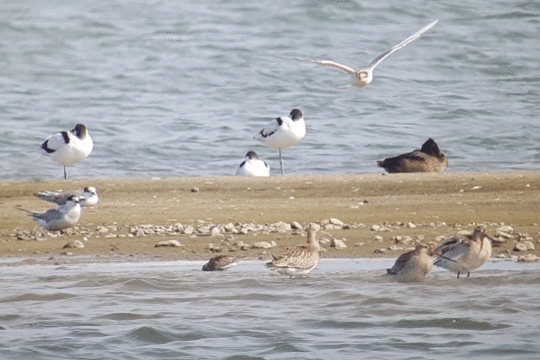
<point>469,252</point>
<point>413,266</point>
<point>428,159</point>
<point>221,262</point>
<point>301,259</point>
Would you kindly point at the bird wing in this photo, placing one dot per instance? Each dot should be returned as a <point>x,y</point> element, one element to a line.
<point>56,213</point>
<point>401,261</point>
<point>333,64</point>
<point>271,127</point>
<point>301,257</point>
<point>59,198</point>
<point>411,38</point>
<point>452,248</point>
<point>55,141</point>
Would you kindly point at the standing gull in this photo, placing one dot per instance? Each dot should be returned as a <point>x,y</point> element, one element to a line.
<point>299,260</point>
<point>68,147</point>
<point>283,132</point>
<point>59,217</point>
<point>415,265</point>
<point>88,196</point>
<point>252,166</point>
<point>363,77</point>
<point>469,252</point>
<point>428,159</point>
<point>221,262</point>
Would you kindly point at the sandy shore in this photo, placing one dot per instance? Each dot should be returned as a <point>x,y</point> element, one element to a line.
<point>421,206</point>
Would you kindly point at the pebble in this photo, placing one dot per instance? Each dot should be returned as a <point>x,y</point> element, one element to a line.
<point>338,244</point>
<point>168,243</point>
<point>520,247</point>
<point>505,229</point>
<point>380,251</point>
<point>73,244</point>
<point>262,245</point>
<point>336,222</point>
<point>242,246</point>
<point>528,258</point>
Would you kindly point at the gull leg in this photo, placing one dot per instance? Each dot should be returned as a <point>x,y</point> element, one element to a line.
<point>281,162</point>
<point>458,274</point>
<point>468,274</point>
<point>65,173</point>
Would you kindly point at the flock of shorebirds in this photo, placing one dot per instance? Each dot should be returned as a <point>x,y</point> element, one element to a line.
<point>459,253</point>
<point>70,147</point>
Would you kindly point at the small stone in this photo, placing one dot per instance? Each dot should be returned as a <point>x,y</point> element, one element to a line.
<point>102,229</point>
<point>194,189</point>
<point>411,225</point>
<point>506,229</point>
<point>295,225</point>
<point>520,247</point>
<point>380,251</point>
<point>378,238</point>
<point>324,241</point>
<point>73,244</point>
<point>168,243</point>
<point>395,248</point>
<point>503,234</point>
<point>338,244</point>
<point>529,245</point>
<point>189,230</point>
<point>262,245</point>
<point>242,246</point>
<point>336,222</point>
<point>359,244</point>
<point>375,227</point>
<point>215,232</point>
<point>528,258</point>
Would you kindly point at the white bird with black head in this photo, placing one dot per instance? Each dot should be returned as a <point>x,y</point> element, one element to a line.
<point>283,132</point>
<point>68,147</point>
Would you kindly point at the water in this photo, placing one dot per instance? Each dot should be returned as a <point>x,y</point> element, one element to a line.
<point>345,309</point>
<point>169,88</point>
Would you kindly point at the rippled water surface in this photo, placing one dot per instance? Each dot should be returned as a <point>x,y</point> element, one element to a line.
<point>345,309</point>
<point>175,88</point>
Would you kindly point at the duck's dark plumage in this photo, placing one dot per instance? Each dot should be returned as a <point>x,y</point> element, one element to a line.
<point>428,159</point>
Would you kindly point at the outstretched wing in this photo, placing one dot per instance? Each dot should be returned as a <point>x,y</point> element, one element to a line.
<point>411,38</point>
<point>333,64</point>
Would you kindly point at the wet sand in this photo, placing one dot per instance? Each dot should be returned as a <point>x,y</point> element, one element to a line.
<point>421,206</point>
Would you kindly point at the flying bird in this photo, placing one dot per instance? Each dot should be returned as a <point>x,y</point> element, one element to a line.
<point>363,77</point>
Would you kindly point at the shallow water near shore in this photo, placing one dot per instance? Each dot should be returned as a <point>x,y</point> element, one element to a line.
<point>178,89</point>
<point>346,308</point>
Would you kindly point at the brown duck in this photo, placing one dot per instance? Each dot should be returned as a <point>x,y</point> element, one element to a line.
<point>428,159</point>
